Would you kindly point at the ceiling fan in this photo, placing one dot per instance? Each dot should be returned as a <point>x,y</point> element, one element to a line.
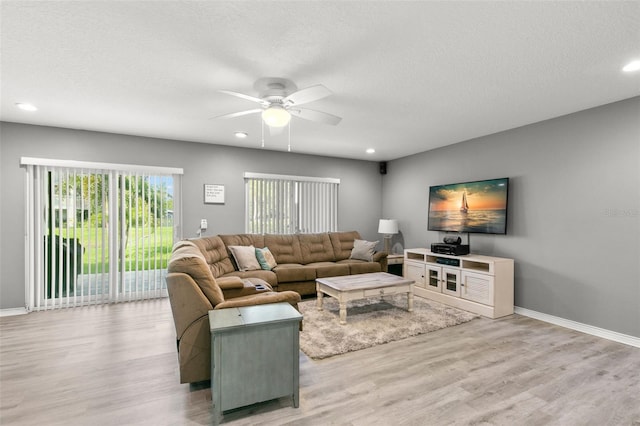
<point>279,99</point>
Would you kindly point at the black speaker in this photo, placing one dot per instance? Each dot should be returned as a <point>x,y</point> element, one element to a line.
<point>452,240</point>
<point>383,167</point>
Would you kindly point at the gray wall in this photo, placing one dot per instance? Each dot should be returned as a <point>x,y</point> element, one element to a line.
<point>359,197</point>
<point>574,213</point>
<point>574,218</point>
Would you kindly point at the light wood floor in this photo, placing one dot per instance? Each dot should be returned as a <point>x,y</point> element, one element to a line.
<point>116,365</point>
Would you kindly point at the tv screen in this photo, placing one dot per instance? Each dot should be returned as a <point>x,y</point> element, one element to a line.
<point>477,207</point>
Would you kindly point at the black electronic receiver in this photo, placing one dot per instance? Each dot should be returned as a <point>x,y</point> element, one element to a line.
<point>453,249</point>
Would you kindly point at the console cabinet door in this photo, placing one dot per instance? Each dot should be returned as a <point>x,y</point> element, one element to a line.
<point>451,281</point>
<point>477,287</point>
<point>434,278</point>
<point>415,271</point>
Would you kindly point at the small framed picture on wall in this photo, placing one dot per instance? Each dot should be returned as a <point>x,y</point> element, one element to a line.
<point>213,193</point>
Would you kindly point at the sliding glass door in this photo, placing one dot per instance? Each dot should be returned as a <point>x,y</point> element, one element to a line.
<point>98,235</point>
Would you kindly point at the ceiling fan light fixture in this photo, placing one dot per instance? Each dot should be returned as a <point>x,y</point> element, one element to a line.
<point>26,107</point>
<point>632,66</point>
<point>276,116</point>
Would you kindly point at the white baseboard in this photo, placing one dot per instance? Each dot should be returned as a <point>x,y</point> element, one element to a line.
<point>562,322</point>
<point>13,311</point>
<point>584,328</point>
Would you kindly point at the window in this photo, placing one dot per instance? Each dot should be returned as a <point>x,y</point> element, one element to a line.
<point>98,233</point>
<point>279,204</point>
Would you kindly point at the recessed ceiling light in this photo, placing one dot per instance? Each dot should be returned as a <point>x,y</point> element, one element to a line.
<point>371,151</point>
<point>632,66</point>
<point>26,107</point>
<point>241,135</point>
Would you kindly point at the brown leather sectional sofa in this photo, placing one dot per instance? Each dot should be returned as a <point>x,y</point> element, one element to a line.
<point>301,258</point>
<point>202,276</point>
<point>193,292</point>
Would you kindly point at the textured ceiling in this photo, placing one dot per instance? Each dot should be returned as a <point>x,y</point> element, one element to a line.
<point>407,76</point>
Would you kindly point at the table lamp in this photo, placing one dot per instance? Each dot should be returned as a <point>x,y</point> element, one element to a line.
<point>388,227</point>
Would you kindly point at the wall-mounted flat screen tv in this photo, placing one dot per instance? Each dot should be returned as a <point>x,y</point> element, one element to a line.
<point>475,207</point>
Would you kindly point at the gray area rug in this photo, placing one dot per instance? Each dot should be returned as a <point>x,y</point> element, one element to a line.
<point>371,322</point>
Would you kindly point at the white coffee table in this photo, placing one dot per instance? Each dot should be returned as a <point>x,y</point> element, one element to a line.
<point>360,286</point>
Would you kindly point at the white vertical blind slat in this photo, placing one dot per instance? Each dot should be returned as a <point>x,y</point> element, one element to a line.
<point>129,214</point>
<point>153,241</point>
<point>103,237</point>
<point>155,234</point>
<point>112,236</point>
<point>136,185</point>
<point>122,218</point>
<point>82,209</point>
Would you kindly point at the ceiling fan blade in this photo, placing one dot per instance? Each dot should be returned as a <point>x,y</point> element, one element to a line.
<point>318,116</point>
<point>309,94</point>
<point>243,96</point>
<point>239,114</point>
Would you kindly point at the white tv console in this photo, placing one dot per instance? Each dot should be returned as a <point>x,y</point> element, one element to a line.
<point>475,283</point>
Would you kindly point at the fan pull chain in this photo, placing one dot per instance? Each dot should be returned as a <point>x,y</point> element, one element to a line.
<point>262,126</point>
<point>289,146</point>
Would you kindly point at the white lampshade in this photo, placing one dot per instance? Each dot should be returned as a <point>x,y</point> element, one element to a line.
<point>388,226</point>
<point>276,116</point>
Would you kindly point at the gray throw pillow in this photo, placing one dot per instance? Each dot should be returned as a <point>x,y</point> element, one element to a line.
<point>363,250</point>
<point>245,257</point>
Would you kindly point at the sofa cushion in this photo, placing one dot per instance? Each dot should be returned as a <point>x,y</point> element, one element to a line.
<point>304,288</point>
<point>316,248</point>
<point>363,250</point>
<point>265,258</point>
<point>342,243</point>
<point>289,272</point>
<point>361,266</point>
<point>245,257</point>
<point>330,269</point>
<point>215,254</point>
<point>187,258</point>
<point>285,248</point>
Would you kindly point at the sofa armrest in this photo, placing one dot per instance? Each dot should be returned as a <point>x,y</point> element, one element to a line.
<point>194,352</point>
<point>379,255</point>
<point>228,283</point>
<point>246,287</point>
<point>290,297</point>
<point>381,258</point>
<point>188,302</point>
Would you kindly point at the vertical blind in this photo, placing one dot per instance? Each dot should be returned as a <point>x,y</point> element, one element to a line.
<point>281,204</point>
<point>98,233</point>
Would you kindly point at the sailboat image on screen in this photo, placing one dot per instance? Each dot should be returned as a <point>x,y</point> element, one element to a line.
<point>464,206</point>
<point>469,207</point>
